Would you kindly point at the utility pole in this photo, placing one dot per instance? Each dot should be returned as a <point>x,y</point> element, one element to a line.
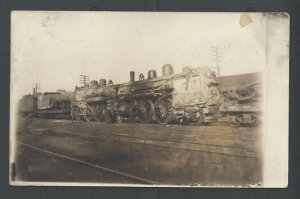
<point>84,79</point>
<point>35,88</point>
<point>216,56</point>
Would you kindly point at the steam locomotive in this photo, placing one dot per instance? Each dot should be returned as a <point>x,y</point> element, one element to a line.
<point>191,96</point>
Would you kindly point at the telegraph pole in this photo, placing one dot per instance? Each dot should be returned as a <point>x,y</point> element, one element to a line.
<point>84,79</point>
<point>35,88</point>
<point>216,56</point>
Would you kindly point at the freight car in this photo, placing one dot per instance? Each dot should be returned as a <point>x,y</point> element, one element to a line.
<point>243,106</point>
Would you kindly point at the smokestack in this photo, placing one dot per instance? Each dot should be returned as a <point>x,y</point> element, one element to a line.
<point>131,76</point>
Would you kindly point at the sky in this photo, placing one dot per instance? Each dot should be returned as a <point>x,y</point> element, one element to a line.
<point>54,48</point>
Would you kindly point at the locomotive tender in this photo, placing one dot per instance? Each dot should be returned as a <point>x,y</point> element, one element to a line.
<point>54,105</point>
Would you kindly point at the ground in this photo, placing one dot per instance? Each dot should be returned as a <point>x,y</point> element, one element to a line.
<point>132,153</point>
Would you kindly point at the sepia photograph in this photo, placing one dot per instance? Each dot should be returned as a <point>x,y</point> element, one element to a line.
<point>149,99</point>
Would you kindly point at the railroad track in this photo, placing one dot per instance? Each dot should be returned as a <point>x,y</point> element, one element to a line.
<point>140,135</point>
<point>220,139</point>
<point>176,129</point>
<point>168,143</point>
<point>162,132</point>
<point>109,170</point>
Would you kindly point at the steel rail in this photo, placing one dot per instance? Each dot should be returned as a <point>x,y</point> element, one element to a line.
<point>143,141</point>
<point>140,179</point>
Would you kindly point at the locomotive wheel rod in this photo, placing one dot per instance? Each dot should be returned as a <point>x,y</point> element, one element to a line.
<point>140,179</point>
